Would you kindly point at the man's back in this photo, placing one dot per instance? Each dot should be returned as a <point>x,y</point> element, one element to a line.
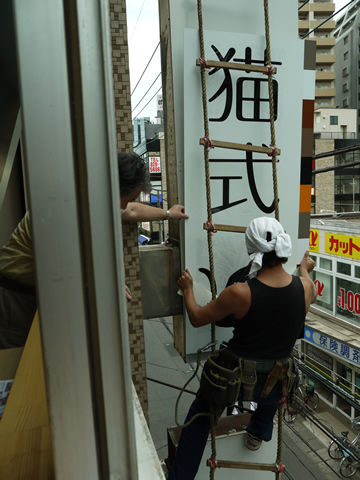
<point>273,322</point>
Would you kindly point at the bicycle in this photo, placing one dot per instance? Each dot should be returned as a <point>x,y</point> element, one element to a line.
<point>343,448</point>
<point>336,449</point>
<point>349,465</point>
<point>308,396</point>
<point>305,395</point>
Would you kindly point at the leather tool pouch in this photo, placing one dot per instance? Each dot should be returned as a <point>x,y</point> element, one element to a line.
<point>276,374</point>
<point>249,379</point>
<point>221,379</point>
<point>293,379</point>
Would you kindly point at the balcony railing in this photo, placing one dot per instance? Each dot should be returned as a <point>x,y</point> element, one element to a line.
<point>335,135</point>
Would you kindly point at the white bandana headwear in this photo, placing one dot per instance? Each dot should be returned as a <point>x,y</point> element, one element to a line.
<point>259,241</point>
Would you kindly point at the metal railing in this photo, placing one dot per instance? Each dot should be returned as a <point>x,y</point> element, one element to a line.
<point>335,135</point>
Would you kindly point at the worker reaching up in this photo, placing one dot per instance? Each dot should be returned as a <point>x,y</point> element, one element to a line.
<point>268,313</point>
<point>17,271</point>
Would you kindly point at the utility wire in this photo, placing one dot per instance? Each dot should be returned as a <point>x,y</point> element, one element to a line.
<point>303,4</point>
<point>146,145</point>
<point>336,167</point>
<point>146,92</point>
<point>329,18</point>
<point>137,20</point>
<point>338,151</point>
<point>157,46</point>
<point>148,102</point>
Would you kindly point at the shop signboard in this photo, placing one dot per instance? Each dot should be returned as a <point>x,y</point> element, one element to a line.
<point>342,245</point>
<point>238,106</point>
<point>314,240</point>
<point>154,165</point>
<point>336,347</point>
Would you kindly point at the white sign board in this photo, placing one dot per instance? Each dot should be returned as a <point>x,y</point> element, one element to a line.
<point>238,111</point>
<point>154,165</point>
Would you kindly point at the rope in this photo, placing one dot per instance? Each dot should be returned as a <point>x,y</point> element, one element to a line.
<point>275,184</point>
<point>271,101</point>
<point>213,446</point>
<point>207,147</point>
<point>279,440</point>
<point>208,200</point>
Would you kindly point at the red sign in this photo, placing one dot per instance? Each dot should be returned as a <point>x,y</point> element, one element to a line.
<point>154,165</point>
<point>349,301</point>
<point>319,287</point>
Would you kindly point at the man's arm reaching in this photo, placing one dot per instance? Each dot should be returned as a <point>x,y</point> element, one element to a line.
<point>138,212</point>
<point>306,266</point>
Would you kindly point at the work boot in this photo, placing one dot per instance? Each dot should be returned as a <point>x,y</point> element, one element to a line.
<point>252,442</point>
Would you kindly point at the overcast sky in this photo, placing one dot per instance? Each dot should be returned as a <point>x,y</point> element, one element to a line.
<point>143,35</point>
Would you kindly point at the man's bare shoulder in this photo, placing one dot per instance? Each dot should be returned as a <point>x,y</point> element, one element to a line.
<point>239,289</point>
<point>238,296</point>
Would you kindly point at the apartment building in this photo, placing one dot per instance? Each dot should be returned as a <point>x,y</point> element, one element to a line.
<point>347,50</point>
<point>312,15</point>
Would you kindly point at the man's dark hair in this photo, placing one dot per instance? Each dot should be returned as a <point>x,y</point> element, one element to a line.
<point>270,259</point>
<point>134,173</point>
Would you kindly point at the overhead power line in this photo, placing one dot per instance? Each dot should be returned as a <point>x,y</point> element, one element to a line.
<point>137,20</point>
<point>157,46</point>
<point>332,153</point>
<point>336,167</point>
<point>147,144</point>
<point>339,151</point>
<point>146,92</point>
<point>147,103</point>
<point>329,18</point>
<point>303,4</point>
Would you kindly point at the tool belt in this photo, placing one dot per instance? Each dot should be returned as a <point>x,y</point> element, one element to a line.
<point>225,372</point>
<point>221,379</point>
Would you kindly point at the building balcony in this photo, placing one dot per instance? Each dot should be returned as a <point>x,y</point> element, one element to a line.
<point>304,25</point>
<point>335,135</point>
<point>323,7</point>
<point>325,92</point>
<point>325,42</point>
<point>325,58</point>
<point>325,75</point>
<point>329,25</point>
<point>305,8</point>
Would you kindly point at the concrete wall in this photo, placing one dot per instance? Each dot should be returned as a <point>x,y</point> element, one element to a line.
<point>324,182</point>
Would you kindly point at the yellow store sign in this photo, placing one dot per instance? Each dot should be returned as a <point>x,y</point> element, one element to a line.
<point>314,240</point>
<point>342,245</point>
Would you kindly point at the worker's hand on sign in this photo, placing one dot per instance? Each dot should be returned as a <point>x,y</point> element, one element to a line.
<point>128,293</point>
<point>178,212</point>
<point>185,281</point>
<point>307,262</point>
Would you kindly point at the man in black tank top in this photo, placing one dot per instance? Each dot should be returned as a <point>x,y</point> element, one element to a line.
<point>268,314</point>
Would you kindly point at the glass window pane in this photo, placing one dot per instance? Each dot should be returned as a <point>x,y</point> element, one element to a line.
<point>343,380</point>
<point>323,365</point>
<point>326,263</point>
<point>324,285</point>
<point>357,272</point>
<point>357,392</point>
<point>344,268</point>
<point>348,300</point>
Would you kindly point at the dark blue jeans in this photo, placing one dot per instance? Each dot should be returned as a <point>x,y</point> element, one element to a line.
<point>194,437</point>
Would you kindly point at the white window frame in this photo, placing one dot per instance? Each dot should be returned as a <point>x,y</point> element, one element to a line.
<point>89,389</point>
<point>335,260</point>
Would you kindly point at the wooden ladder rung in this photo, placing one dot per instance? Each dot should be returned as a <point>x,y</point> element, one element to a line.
<point>240,146</point>
<point>236,66</point>
<point>226,228</point>
<point>270,467</point>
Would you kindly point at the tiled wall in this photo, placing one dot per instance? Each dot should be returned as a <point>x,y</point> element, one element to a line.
<point>125,143</point>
